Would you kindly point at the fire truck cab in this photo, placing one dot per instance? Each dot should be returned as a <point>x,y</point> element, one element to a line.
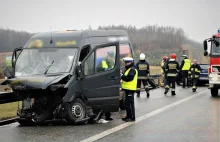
<point>214,67</point>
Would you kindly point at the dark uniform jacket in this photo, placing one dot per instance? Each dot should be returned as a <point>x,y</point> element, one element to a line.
<point>194,71</point>
<point>143,68</point>
<point>171,68</point>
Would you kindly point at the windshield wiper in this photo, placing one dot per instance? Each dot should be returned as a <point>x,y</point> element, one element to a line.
<point>48,67</point>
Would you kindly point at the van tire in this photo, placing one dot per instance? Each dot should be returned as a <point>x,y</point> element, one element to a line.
<point>76,110</point>
<point>214,92</point>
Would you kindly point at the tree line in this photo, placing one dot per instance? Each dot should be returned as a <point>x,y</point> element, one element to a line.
<point>155,41</point>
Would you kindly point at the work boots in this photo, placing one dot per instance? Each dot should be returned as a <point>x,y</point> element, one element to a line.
<point>194,88</point>
<point>166,91</point>
<point>173,93</point>
<point>148,94</point>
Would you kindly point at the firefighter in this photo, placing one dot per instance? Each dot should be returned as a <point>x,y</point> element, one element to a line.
<point>107,64</point>
<point>143,72</point>
<point>162,70</point>
<point>185,66</point>
<point>129,85</point>
<point>171,70</point>
<point>194,73</point>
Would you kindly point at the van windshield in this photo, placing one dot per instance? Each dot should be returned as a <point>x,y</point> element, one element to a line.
<point>44,61</point>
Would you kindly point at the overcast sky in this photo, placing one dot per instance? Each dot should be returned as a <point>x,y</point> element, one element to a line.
<point>199,18</point>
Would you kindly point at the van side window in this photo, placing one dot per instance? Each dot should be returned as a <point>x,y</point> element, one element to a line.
<point>105,58</point>
<point>88,65</point>
<point>125,51</point>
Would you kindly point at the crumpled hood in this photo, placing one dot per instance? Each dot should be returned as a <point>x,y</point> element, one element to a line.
<point>34,82</point>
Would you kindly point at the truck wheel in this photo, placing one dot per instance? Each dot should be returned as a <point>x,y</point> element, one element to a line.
<point>76,110</point>
<point>214,92</point>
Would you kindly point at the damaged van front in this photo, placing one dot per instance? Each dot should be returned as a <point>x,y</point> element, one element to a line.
<point>55,75</point>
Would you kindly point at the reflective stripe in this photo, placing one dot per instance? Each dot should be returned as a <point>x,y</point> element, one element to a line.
<point>194,87</point>
<point>196,76</point>
<point>147,87</point>
<point>142,77</point>
<point>171,74</point>
<point>131,85</point>
<point>167,86</point>
<point>138,89</point>
<point>187,64</point>
<point>173,89</point>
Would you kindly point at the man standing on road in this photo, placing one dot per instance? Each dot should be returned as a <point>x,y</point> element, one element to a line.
<point>162,65</point>
<point>143,72</point>
<point>129,85</point>
<point>171,70</point>
<point>194,73</point>
<point>185,66</point>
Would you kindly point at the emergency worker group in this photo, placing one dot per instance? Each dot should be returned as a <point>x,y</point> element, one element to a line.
<point>135,74</point>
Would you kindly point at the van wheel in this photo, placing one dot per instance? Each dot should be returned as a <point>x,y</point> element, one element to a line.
<point>214,92</point>
<point>76,110</point>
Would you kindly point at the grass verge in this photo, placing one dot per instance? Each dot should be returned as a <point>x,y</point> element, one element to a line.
<point>8,110</point>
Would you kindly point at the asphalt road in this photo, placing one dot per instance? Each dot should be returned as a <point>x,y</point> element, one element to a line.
<point>185,117</point>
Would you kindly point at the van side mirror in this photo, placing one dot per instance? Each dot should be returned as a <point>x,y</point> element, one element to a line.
<point>8,73</point>
<point>205,45</point>
<point>205,53</point>
<point>80,71</point>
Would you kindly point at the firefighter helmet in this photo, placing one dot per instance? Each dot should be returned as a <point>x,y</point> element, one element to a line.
<point>173,56</point>
<point>165,58</point>
<point>142,56</point>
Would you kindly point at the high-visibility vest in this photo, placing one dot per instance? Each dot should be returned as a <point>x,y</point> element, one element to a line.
<point>131,85</point>
<point>105,65</point>
<point>187,64</point>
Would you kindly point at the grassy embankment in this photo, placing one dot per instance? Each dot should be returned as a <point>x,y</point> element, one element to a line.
<point>8,110</point>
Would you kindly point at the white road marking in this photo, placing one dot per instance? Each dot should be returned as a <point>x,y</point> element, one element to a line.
<point>124,125</point>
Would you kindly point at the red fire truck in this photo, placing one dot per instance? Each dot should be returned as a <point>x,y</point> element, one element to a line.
<point>214,67</point>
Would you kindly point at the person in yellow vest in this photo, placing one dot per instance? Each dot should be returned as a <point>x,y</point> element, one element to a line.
<point>129,85</point>
<point>162,65</point>
<point>107,63</point>
<point>194,73</point>
<point>185,66</point>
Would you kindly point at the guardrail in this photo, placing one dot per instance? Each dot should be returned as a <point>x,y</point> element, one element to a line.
<point>156,76</point>
<point>8,121</point>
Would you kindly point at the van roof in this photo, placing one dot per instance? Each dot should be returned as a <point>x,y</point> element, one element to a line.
<point>84,33</point>
<point>73,38</point>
